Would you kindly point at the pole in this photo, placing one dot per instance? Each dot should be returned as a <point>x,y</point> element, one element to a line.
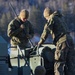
<point>19,21</point>
<point>13,9</point>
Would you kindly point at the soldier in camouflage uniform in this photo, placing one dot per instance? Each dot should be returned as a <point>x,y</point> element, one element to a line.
<point>62,40</point>
<point>20,30</point>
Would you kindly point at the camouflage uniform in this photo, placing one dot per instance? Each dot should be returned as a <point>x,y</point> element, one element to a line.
<point>18,35</point>
<point>61,38</point>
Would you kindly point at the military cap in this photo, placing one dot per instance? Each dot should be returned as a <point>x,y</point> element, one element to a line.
<point>24,13</point>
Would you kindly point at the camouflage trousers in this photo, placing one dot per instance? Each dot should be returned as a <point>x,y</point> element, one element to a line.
<point>61,55</point>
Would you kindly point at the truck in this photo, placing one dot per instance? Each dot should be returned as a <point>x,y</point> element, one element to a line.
<point>24,61</point>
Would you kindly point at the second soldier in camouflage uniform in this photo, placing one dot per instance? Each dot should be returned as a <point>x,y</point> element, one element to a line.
<point>57,28</point>
<point>20,30</point>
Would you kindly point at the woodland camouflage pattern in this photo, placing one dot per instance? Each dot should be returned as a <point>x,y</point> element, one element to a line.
<point>17,35</point>
<point>61,38</point>
<point>55,26</point>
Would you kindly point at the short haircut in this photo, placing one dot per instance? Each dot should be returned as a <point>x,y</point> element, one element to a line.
<point>40,70</point>
<point>24,13</point>
<point>47,11</point>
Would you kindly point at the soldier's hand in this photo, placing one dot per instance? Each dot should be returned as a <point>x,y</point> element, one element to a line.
<point>22,26</point>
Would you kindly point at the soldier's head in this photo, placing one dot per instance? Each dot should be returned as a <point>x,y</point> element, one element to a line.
<point>47,12</point>
<point>24,14</point>
<point>40,70</point>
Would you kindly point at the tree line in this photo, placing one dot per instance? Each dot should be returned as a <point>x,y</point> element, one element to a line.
<point>35,8</point>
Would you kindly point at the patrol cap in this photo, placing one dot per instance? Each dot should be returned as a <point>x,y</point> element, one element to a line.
<point>24,13</point>
<point>47,12</point>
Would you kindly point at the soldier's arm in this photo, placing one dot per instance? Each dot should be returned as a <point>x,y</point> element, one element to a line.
<point>12,31</point>
<point>47,30</point>
<point>44,35</point>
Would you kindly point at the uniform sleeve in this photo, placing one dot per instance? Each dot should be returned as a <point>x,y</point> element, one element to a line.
<point>47,30</point>
<point>12,31</point>
<point>44,34</point>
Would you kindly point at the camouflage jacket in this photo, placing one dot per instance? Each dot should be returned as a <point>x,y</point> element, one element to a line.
<point>18,35</point>
<point>55,26</point>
